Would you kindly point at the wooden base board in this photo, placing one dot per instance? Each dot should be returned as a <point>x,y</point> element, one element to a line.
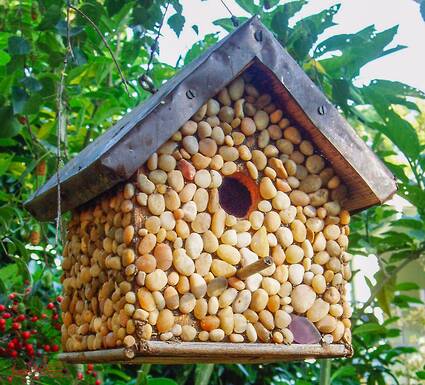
<point>159,352</point>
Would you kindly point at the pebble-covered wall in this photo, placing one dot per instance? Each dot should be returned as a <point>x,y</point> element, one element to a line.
<point>158,258</point>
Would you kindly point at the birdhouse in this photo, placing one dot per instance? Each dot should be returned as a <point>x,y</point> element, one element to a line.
<point>211,223</point>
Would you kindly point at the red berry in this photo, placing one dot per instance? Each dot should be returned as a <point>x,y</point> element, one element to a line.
<point>94,374</point>
<point>16,326</point>
<point>12,296</point>
<point>20,318</point>
<point>29,347</point>
<point>2,322</point>
<point>6,315</point>
<point>44,316</point>
<point>50,305</point>
<point>46,348</point>
<point>55,316</point>
<point>11,345</point>
<point>27,282</point>
<point>14,354</point>
<point>55,348</point>
<point>10,378</point>
<point>80,376</point>
<point>59,298</point>
<point>2,307</point>
<point>33,331</point>
<point>98,382</point>
<point>22,119</point>
<point>26,334</point>
<point>90,366</point>
<point>34,318</point>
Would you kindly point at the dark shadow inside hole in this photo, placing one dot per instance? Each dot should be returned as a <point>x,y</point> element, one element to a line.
<point>235,197</point>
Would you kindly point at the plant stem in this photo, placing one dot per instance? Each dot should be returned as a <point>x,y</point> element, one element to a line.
<point>325,372</point>
<point>203,373</point>
<point>142,374</point>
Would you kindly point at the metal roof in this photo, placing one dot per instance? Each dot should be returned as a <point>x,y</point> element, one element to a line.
<point>117,154</point>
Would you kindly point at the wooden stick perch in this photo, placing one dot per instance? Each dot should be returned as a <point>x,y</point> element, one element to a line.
<point>256,267</point>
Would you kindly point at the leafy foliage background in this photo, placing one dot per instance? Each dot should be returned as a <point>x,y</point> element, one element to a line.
<point>34,40</point>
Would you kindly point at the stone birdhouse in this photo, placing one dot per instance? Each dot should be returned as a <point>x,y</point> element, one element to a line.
<point>211,223</point>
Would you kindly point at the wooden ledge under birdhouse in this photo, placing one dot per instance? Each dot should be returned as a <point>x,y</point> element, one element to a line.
<point>160,352</point>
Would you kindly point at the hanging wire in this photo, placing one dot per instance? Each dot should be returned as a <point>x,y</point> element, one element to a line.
<point>233,18</point>
<point>145,80</point>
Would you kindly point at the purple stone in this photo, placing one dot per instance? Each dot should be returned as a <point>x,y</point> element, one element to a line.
<point>304,331</point>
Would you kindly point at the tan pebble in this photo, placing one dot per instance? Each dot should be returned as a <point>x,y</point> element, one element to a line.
<point>288,337</point>
<point>267,189</point>
<point>292,134</point>
<point>226,320</point>
<point>201,199</point>
<point>263,334</point>
<point>213,106</point>
<point>175,180</point>
<point>338,332</point>
<point>318,311</point>
<point>203,336</point>
<point>299,198</point>
<point>267,319</point>
<point>253,282</point>
<point>248,126</point>
<point>194,245</point>
<point>190,144</point>
<point>147,244</point>
<point>190,211</point>
<point>285,238</point>
<point>332,295</point>
<point>296,273</point>
<point>222,269</point>
<point>294,254</point>
<point>270,285</point>
<point>243,239</point>
<point>261,119</point>
<point>140,278</point>
<point>331,232</point>
<point>188,333</point>
<point>228,153</point>
<point>210,241</point>
<point>327,324</point>
<point>144,184</point>
<point>183,286</point>
<point>166,162</point>
<point>229,168</point>
<point>189,128</point>
<point>244,153</point>
<point>218,223</point>
<point>298,230</point>
<point>251,333</point>
<point>201,223</point>
<point>275,131</point>
<point>272,221</point>
<point>229,254</point>
<point>203,178</point>
<point>183,263</point>
<point>315,164</point>
<point>227,297</point>
<point>259,243</point>
<point>210,323</point>
<point>171,298</point>
<point>236,88</point>
<point>156,204</point>
<point>259,300</point>
<point>319,197</point>
<point>217,286</point>
<point>218,135</point>
<point>159,177</point>
<point>282,319</point>
<point>165,321</point>
<point>212,305</point>
<point>167,220</point>
<point>166,336</point>
<point>252,170</point>
<point>164,256</point>
<point>259,159</point>
<point>229,237</point>
<point>216,335</point>
<point>263,139</point>
<point>201,308</point>
<point>187,303</point>
<point>336,310</point>
<point>303,298</point>
<point>198,286</point>
<point>146,299</point>
<point>256,218</point>
<point>240,323</point>
<point>236,338</point>
<point>156,280</point>
<point>146,332</point>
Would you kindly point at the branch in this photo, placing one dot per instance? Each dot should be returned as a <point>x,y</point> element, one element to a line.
<point>380,285</point>
<point>91,22</point>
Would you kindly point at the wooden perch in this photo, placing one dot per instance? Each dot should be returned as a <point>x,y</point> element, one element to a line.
<point>256,267</point>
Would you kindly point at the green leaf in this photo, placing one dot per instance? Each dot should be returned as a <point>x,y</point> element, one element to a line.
<point>18,46</point>
<point>386,294</point>
<point>200,47</point>
<point>369,328</point>
<point>421,373</point>
<point>161,381</point>
<point>4,58</point>
<point>195,29</point>
<point>5,161</point>
<point>406,286</point>
<point>344,371</point>
<point>19,98</point>
<point>176,22</point>
<point>281,17</point>
<point>203,373</point>
<point>227,24</point>
<point>249,6</point>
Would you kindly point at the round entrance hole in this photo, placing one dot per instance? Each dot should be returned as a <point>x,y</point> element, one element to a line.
<point>238,194</point>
